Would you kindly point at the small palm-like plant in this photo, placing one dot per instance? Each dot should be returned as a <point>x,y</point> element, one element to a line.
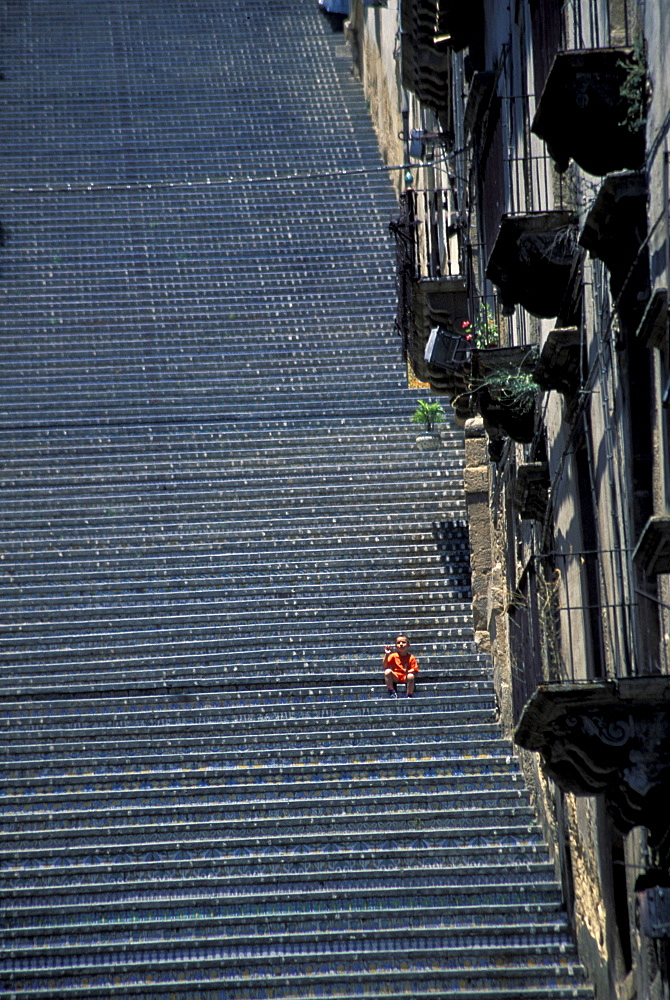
<point>429,414</point>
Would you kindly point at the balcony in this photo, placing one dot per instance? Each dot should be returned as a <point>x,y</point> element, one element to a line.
<point>532,260</point>
<point>592,110</point>
<point>426,297</point>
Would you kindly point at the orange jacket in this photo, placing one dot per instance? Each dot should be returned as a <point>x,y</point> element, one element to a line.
<point>401,665</point>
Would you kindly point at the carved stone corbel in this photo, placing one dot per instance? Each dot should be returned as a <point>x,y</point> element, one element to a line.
<point>610,738</point>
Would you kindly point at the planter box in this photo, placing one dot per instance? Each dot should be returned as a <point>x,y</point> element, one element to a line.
<point>489,360</point>
<point>532,260</point>
<point>517,424</point>
<point>429,441</point>
<point>582,113</point>
<point>502,413</point>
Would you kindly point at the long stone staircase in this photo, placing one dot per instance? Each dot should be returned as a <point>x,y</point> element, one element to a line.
<point>214,516</point>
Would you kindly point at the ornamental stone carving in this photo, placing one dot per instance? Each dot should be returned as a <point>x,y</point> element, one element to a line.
<point>610,738</point>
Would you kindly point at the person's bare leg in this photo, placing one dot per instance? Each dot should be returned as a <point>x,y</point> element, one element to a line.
<point>410,684</point>
<point>389,677</point>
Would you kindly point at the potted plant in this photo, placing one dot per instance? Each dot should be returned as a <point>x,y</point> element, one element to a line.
<point>483,331</point>
<point>429,415</point>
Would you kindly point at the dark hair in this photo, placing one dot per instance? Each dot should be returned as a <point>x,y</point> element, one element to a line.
<point>403,635</point>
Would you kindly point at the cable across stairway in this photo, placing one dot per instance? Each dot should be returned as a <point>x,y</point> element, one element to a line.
<point>214,517</point>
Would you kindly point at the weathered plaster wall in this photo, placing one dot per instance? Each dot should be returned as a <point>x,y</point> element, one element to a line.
<point>372,33</point>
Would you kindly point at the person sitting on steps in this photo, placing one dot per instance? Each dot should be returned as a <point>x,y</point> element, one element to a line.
<point>400,667</point>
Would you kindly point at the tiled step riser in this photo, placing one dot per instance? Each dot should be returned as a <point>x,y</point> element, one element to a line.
<point>282,441</point>
<point>57,728</point>
<point>498,921</point>
<point>283,556</point>
<point>203,697</point>
<point>119,825</point>
<point>373,743</point>
<point>304,611</point>
<point>291,838</point>
<point>124,886</point>
<point>40,682</point>
<point>71,603</point>
<point>263,698</point>
<point>175,637</point>
<point>272,777</point>
<point>284,503</point>
<point>363,935</point>
<point>244,859</point>
<point>476,738</point>
<point>284,980</point>
<point>67,487</point>
<point>193,655</point>
<point>281,988</point>
<point>283,527</point>
<point>483,962</point>
<point>250,804</point>
<point>100,468</point>
<point>100,371</point>
<point>73,697</point>
<point>36,688</point>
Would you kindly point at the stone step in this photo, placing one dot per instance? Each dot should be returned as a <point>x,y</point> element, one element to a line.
<point>435,579</point>
<point>192,653</point>
<point>496,974</point>
<point>39,679</point>
<point>496,757</point>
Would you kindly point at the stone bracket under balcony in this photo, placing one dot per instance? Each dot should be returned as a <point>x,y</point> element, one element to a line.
<point>584,114</point>
<point>614,231</point>
<point>610,738</point>
<point>531,490</point>
<point>426,45</point>
<point>654,326</point>
<point>479,98</point>
<point>652,552</point>
<point>558,366</point>
<point>532,260</point>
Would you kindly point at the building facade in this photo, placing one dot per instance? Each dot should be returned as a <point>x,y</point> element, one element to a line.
<point>530,143</point>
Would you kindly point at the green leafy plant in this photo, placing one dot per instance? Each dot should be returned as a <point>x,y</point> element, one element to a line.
<point>634,88</point>
<point>514,389</point>
<point>483,332</point>
<point>429,414</point>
